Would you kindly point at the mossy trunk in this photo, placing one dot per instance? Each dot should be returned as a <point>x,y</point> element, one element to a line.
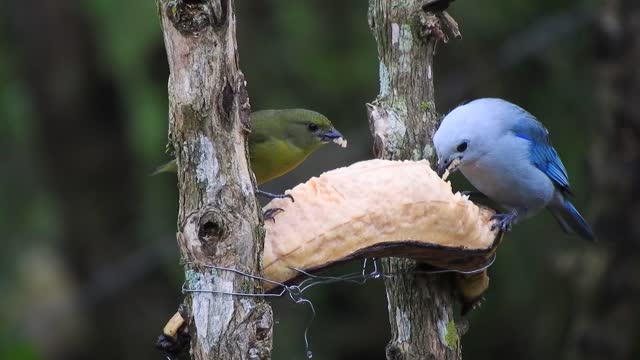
<point>218,220</point>
<point>403,120</point>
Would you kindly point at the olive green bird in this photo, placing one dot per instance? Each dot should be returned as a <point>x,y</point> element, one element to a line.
<point>280,140</point>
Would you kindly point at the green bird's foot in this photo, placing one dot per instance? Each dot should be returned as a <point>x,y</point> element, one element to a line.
<point>271,213</point>
<point>274,196</point>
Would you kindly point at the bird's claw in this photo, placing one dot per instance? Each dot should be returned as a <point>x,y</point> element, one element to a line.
<point>274,196</point>
<point>503,221</point>
<point>270,214</point>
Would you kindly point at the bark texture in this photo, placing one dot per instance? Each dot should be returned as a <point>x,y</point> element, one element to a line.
<point>608,327</point>
<point>218,220</point>
<point>403,120</point>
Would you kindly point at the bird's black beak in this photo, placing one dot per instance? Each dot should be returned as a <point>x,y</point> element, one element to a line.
<point>330,135</point>
<point>448,164</point>
<point>442,167</point>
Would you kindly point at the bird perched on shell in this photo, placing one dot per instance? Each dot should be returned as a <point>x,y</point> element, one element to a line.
<point>506,154</point>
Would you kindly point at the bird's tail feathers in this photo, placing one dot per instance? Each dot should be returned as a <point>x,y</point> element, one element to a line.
<point>570,220</point>
<point>170,167</point>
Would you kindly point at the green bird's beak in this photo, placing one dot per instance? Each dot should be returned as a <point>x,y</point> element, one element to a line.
<point>333,135</point>
<point>330,135</point>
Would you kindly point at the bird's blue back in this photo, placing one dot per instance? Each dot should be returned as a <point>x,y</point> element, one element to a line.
<point>541,151</point>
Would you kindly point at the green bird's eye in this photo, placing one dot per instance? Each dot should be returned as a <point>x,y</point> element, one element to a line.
<point>312,127</point>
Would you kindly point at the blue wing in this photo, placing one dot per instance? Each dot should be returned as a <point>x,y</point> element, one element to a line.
<point>541,152</point>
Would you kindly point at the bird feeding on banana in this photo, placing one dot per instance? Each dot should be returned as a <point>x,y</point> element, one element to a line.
<point>506,153</point>
<point>280,140</point>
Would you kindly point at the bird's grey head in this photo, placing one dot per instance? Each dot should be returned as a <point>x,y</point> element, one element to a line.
<point>467,132</point>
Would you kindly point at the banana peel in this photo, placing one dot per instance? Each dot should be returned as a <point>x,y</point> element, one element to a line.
<point>376,208</point>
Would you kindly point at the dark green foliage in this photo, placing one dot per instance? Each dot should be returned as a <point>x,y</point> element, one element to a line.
<point>305,54</point>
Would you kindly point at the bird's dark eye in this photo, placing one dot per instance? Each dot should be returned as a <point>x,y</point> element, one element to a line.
<point>462,147</point>
<point>312,127</point>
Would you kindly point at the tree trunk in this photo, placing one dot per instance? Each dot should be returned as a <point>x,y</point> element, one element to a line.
<point>218,220</point>
<point>403,120</point>
<point>608,326</point>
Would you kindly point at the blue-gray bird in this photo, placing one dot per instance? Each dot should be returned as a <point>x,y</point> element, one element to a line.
<point>506,154</point>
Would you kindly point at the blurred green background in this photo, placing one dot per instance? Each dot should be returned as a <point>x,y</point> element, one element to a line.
<point>89,265</point>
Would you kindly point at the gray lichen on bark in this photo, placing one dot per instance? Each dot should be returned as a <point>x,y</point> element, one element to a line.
<point>403,120</point>
<point>218,212</point>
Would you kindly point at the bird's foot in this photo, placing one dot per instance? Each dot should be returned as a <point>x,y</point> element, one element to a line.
<point>270,214</point>
<point>504,221</point>
<point>274,196</point>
